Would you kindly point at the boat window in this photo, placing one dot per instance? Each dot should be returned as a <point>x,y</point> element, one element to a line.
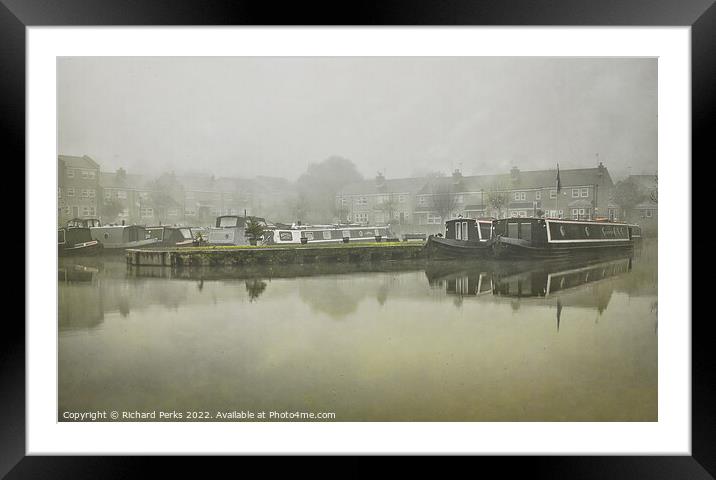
<point>309,235</point>
<point>228,222</point>
<point>60,236</point>
<point>458,232</point>
<point>512,230</point>
<point>346,233</point>
<point>185,232</point>
<point>326,234</point>
<point>285,236</point>
<point>526,231</point>
<point>464,231</point>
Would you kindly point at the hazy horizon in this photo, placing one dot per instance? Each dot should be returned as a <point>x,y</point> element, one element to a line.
<point>405,116</point>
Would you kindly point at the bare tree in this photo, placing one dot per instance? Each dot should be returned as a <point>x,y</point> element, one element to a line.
<point>627,195</point>
<point>388,207</point>
<point>497,198</point>
<point>443,199</point>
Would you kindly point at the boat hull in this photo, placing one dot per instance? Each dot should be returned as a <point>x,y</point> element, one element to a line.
<point>85,249</point>
<point>511,249</point>
<point>438,247</point>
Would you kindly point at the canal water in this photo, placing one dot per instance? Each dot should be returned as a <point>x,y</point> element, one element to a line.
<point>442,341</point>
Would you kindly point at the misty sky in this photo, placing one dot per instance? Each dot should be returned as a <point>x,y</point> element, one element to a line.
<point>247,116</point>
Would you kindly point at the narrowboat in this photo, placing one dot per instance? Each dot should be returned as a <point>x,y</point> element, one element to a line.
<point>228,230</point>
<point>76,241</point>
<point>547,238</point>
<point>323,234</point>
<point>168,236</point>
<point>117,238</point>
<point>464,238</point>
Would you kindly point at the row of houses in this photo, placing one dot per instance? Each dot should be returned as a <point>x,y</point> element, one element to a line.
<point>584,193</point>
<point>84,191</point>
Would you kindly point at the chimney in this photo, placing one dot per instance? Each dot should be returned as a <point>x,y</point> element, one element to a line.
<point>515,175</point>
<point>456,176</point>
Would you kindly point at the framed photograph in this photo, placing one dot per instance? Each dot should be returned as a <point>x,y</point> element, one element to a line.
<point>416,231</point>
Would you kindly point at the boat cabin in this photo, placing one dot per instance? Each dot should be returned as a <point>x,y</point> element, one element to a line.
<point>171,236</point>
<point>229,230</point>
<point>122,236</point>
<point>468,229</point>
<point>326,234</point>
<point>84,222</point>
<point>544,231</point>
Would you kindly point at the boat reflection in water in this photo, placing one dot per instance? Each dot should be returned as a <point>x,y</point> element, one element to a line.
<point>531,282</point>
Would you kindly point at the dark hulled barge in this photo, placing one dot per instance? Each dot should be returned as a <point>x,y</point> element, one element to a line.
<point>545,238</point>
<point>464,238</point>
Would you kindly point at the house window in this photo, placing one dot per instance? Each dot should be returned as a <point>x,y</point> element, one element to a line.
<point>648,213</point>
<point>553,194</point>
<point>575,193</point>
<point>85,174</point>
<point>538,195</point>
<point>584,192</point>
<point>122,194</point>
<point>612,214</point>
<point>172,212</point>
<point>91,192</point>
<point>107,194</point>
<point>91,174</point>
<point>401,198</point>
<point>144,195</point>
<point>422,201</point>
<point>361,218</point>
<point>70,192</point>
<point>124,213</point>
<point>83,193</point>
<point>361,201</point>
<point>189,212</point>
<point>146,212</point>
<point>88,211</point>
<point>575,213</point>
<point>520,196</point>
<point>70,173</point>
<point>434,219</point>
<point>66,209</point>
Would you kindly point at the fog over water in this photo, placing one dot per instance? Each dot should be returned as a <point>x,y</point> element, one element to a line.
<point>405,116</point>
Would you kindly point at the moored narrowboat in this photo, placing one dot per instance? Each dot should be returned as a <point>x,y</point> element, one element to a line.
<point>228,230</point>
<point>117,238</point>
<point>464,237</point>
<point>322,234</point>
<point>168,236</point>
<point>76,241</point>
<point>547,238</point>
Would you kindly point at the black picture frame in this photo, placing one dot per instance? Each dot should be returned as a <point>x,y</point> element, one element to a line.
<point>700,15</point>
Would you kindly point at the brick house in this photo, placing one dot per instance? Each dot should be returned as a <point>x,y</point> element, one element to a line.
<point>378,201</point>
<point>585,193</point>
<point>78,188</point>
